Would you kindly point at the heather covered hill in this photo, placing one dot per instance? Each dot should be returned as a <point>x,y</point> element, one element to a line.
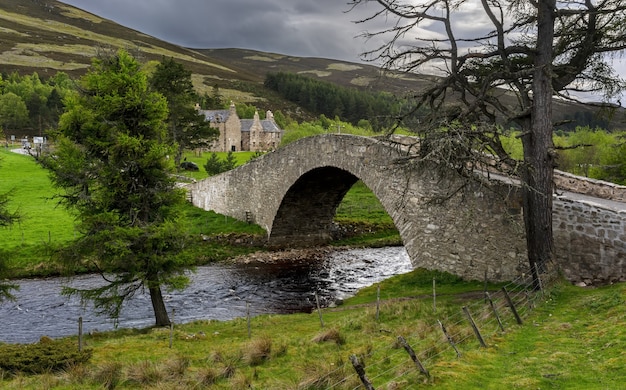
<point>47,36</point>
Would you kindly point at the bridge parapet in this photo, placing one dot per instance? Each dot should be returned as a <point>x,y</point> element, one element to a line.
<point>584,185</point>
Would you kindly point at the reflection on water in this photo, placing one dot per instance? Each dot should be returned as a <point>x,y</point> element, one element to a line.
<point>218,291</point>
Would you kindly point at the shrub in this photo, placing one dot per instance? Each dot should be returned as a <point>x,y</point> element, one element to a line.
<point>45,356</point>
<point>144,373</point>
<point>109,375</point>
<point>208,376</point>
<point>323,376</point>
<point>258,351</point>
<point>175,368</point>
<point>215,166</point>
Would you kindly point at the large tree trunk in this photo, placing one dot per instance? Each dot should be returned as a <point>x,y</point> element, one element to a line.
<point>160,312</point>
<point>539,149</point>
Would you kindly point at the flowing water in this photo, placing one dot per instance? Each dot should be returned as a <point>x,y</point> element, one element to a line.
<point>218,291</point>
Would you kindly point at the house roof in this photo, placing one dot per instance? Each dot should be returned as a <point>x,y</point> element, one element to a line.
<point>216,115</point>
<point>269,126</point>
<point>220,116</point>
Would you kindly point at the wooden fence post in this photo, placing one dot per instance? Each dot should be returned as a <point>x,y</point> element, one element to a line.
<point>413,356</point>
<point>358,367</point>
<point>80,334</point>
<point>512,306</point>
<point>445,332</point>
<point>474,327</point>
<point>495,311</point>
<point>319,310</point>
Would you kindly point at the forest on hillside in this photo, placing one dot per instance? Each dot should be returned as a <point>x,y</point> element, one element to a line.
<point>381,110</point>
<point>378,110</point>
<point>31,106</point>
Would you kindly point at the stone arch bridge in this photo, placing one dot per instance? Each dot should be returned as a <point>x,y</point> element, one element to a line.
<point>293,194</point>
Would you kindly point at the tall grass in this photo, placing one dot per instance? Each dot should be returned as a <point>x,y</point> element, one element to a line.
<point>572,339</point>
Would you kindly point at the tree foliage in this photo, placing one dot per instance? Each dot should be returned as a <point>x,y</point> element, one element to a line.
<point>186,126</point>
<point>214,101</point>
<point>331,100</point>
<point>38,104</point>
<point>214,165</point>
<point>13,112</point>
<point>246,111</point>
<point>593,153</point>
<point>7,218</point>
<point>111,160</point>
<point>507,72</point>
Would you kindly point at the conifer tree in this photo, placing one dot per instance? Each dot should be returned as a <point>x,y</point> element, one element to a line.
<point>188,128</point>
<point>111,162</point>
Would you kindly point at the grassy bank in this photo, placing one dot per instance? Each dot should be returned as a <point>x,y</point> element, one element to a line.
<point>572,339</point>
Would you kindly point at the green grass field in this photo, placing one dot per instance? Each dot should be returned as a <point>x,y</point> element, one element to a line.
<point>43,225</point>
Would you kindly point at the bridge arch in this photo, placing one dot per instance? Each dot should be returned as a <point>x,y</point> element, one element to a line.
<point>293,193</point>
<point>308,208</point>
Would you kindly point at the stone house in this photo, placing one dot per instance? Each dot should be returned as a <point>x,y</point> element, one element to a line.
<point>243,134</point>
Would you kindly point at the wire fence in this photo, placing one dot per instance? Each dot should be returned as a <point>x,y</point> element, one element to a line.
<point>408,360</point>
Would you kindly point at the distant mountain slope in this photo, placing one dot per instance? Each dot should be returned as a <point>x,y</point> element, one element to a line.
<point>46,36</point>
<point>367,77</point>
<point>344,73</point>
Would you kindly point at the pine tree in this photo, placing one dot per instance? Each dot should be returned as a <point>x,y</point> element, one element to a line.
<point>111,162</point>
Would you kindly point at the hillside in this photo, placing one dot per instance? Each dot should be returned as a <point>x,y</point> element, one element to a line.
<point>47,36</point>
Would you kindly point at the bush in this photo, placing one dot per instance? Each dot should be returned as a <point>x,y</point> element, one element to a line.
<point>216,166</point>
<point>45,356</point>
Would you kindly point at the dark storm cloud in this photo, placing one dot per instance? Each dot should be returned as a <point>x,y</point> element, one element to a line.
<point>306,28</point>
<point>320,28</point>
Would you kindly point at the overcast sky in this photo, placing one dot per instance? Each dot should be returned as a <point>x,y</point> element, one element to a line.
<point>303,28</point>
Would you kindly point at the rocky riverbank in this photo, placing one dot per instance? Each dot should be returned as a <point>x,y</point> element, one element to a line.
<point>287,255</point>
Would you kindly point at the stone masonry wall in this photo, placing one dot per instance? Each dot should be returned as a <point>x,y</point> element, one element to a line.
<point>590,242</point>
<point>467,232</point>
<point>584,185</point>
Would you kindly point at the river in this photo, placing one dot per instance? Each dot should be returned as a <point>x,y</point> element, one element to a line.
<point>218,291</point>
